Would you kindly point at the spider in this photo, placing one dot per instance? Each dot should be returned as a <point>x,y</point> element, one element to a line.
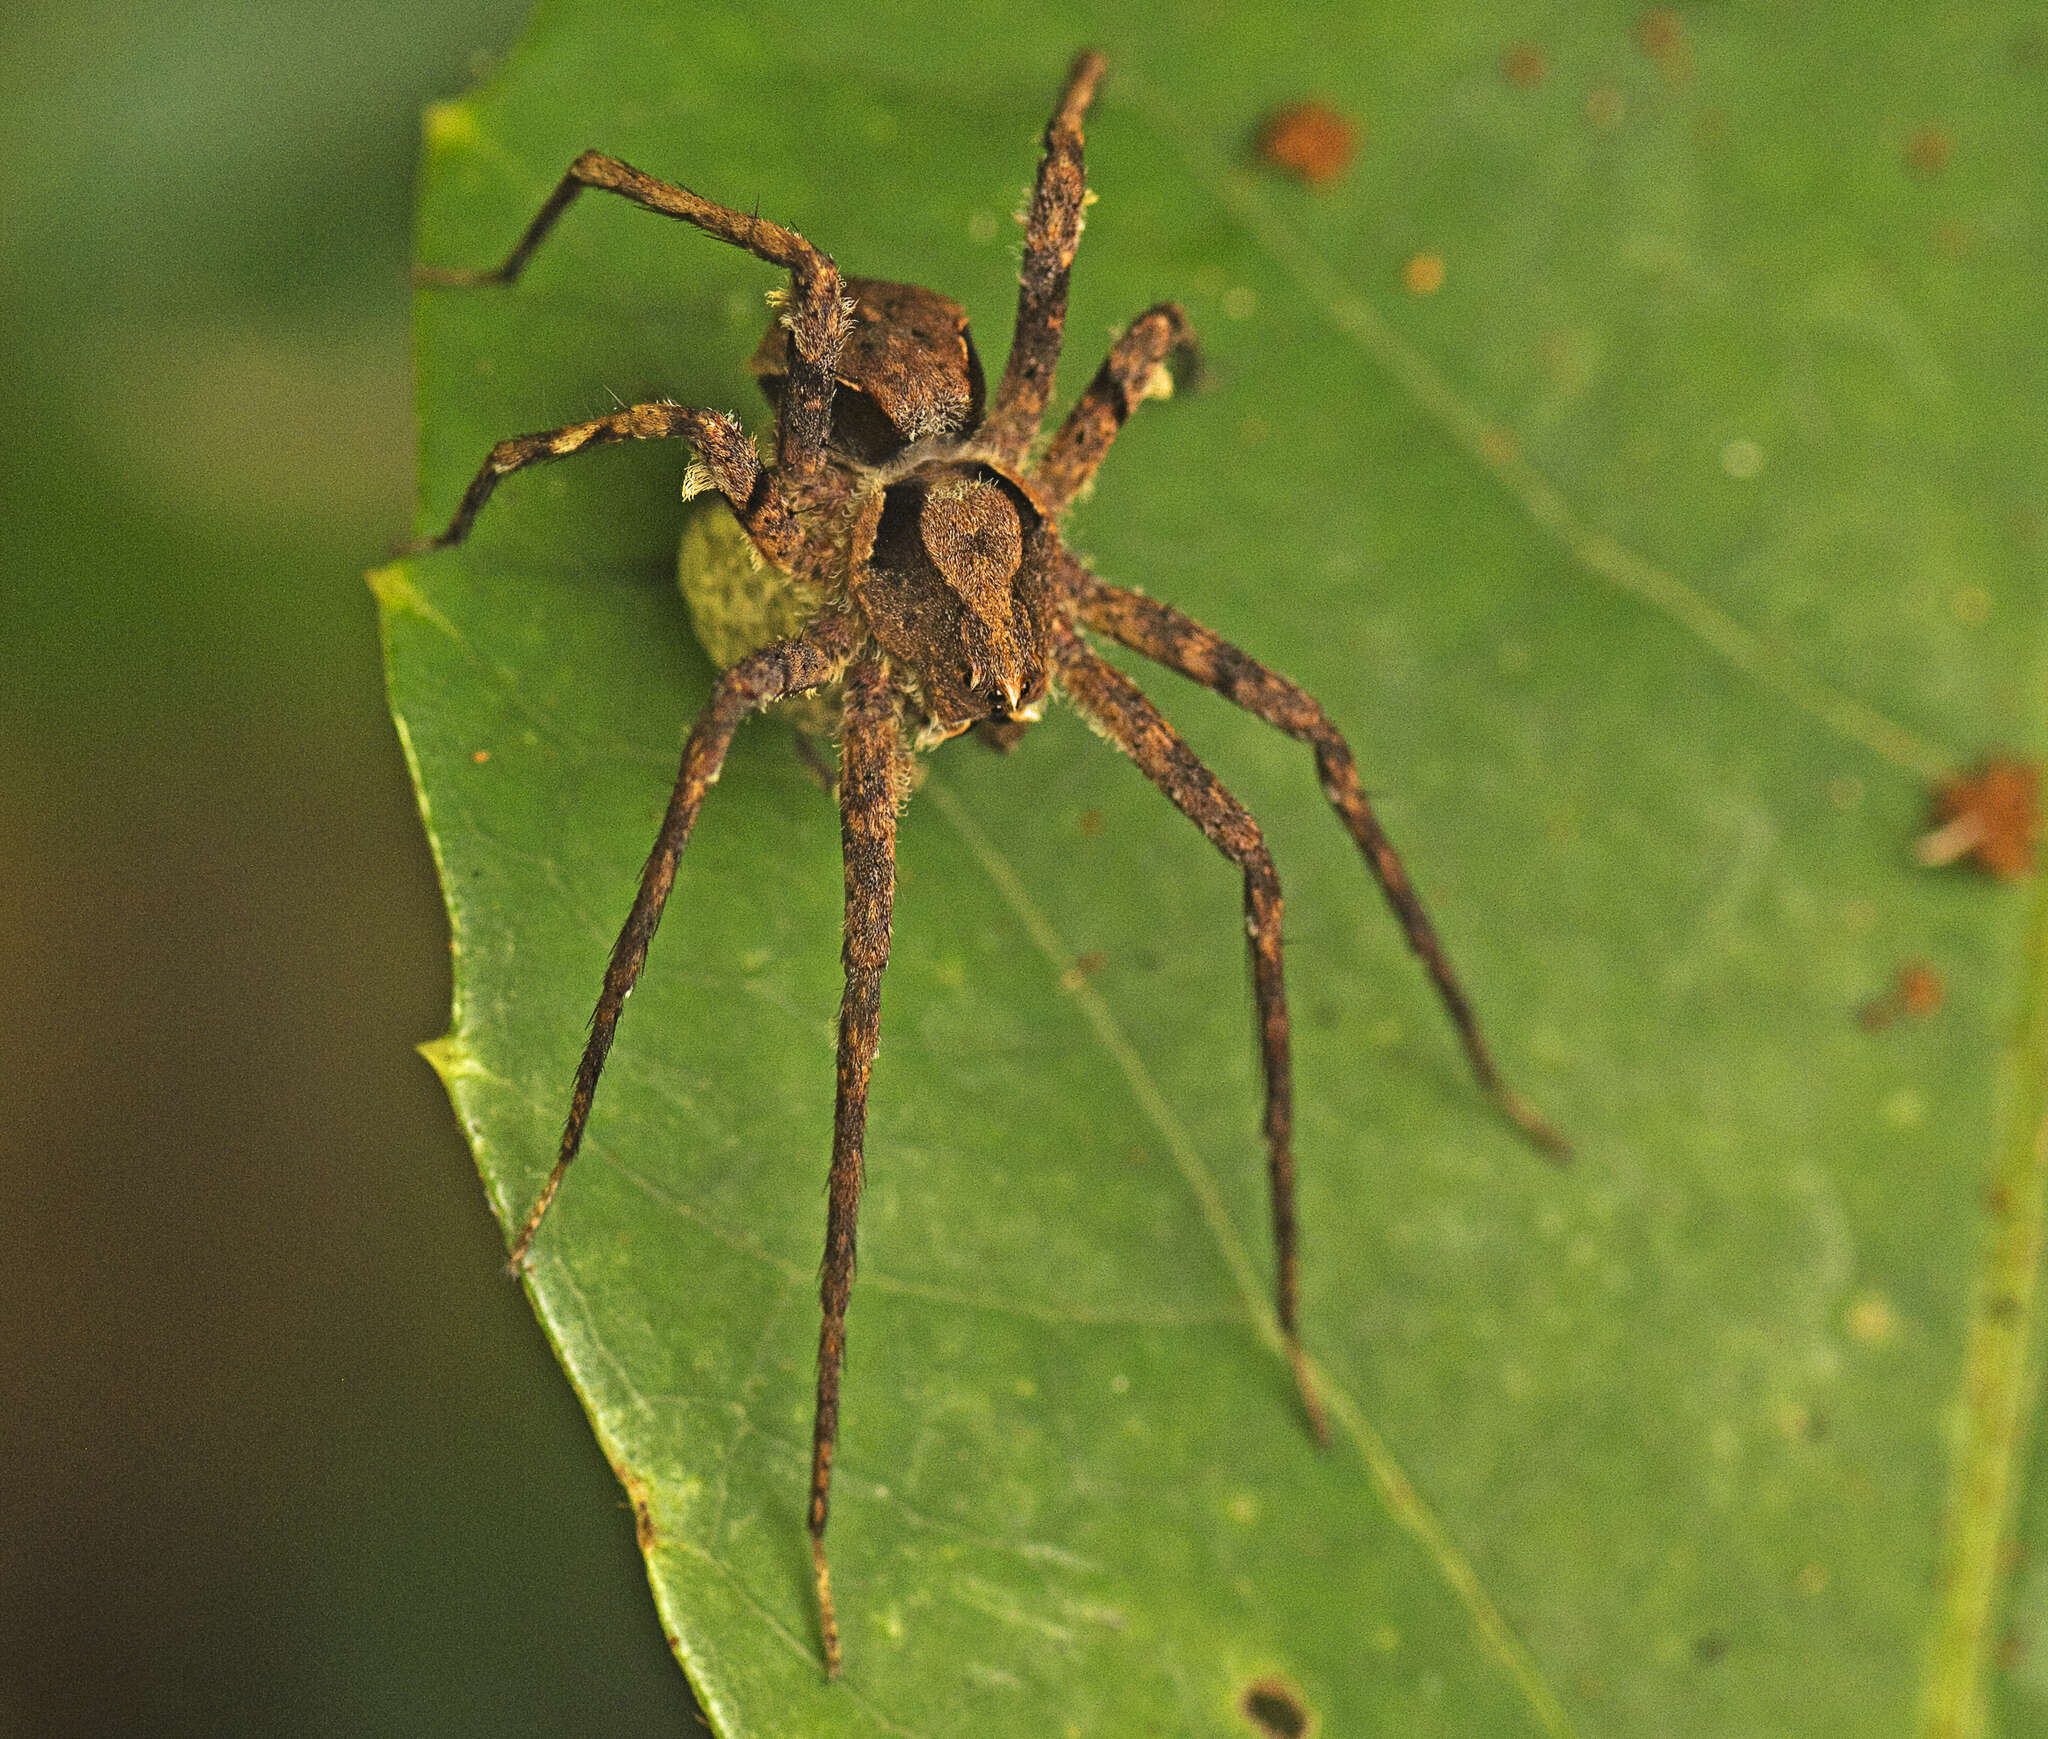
<point>912,547</point>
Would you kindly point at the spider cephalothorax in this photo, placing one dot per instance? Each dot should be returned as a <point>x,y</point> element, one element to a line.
<point>947,553</point>
<point>916,581</point>
<point>946,560</point>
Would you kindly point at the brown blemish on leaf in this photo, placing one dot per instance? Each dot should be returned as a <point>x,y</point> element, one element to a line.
<point>1989,816</point>
<point>1920,990</point>
<point>1953,238</point>
<point>1915,994</point>
<point>1084,968</point>
<point>1928,151</point>
<point>1661,36</point>
<point>1523,66</point>
<point>1309,140</point>
<point>641,1496</point>
<point>1276,1710</point>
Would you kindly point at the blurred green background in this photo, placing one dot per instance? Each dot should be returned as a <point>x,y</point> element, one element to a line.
<point>284,1452</point>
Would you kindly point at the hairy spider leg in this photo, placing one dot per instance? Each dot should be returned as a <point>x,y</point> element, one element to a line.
<point>813,658</point>
<point>869,750</point>
<point>1119,710</point>
<point>1130,374</point>
<point>720,441</point>
<point>819,316</point>
<point>1168,637</point>
<point>1052,231</point>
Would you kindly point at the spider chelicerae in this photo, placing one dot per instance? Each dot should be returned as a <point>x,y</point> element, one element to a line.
<point>919,586</point>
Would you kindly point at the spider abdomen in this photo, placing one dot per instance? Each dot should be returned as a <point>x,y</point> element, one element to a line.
<point>739,603</point>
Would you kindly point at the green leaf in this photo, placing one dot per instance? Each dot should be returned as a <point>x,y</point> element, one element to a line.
<point>1655,563</point>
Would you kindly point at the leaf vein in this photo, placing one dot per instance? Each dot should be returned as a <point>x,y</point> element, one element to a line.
<point>1596,551</point>
<point>1388,1479</point>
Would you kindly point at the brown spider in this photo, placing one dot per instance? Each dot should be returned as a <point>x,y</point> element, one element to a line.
<point>916,550</point>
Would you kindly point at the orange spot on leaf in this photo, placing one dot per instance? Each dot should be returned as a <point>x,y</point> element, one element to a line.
<point>1310,140</point>
<point>1915,994</point>
<point>1423,275</point>
<point>1989,817</point>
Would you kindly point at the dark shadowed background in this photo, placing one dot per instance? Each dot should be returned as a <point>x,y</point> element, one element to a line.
<point>284,1452</point>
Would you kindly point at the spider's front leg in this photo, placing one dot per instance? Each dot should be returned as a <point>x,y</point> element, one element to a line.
<point>869,749</point>
<point>1052,233</point>
<point>819,315</point>
<point>1178,641</point>
<point>1118,708</point>
<point>812,659</point>
<point>721,442</point>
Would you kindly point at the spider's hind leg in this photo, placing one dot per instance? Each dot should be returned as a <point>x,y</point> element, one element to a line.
<point>869,748</point>
<point>1176,640</point>
<point>1116,707</point>
<point>788,667</point>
